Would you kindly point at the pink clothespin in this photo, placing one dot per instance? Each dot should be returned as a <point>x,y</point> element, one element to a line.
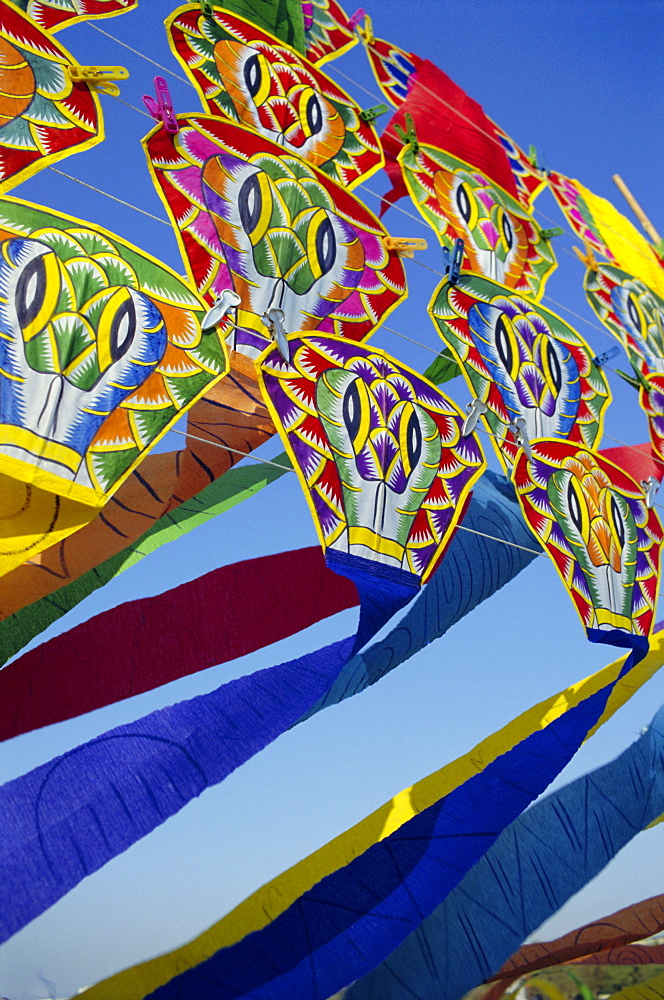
<point>162,108</point>
<point>355,18</point>
<point>308,14</point>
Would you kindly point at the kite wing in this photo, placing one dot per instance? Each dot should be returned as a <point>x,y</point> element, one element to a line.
<point>51,15</point>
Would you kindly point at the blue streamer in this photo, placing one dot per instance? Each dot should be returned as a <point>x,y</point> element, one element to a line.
<point>67,818</point>
<point>535,866</point>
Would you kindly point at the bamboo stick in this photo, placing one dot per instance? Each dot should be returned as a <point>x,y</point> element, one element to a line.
<point>636,208</point>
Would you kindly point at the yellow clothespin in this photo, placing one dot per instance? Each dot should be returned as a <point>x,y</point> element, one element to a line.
<point>99,77</point>
<point>404,245</point>
<point>588,258</point>
<point>366,32</point>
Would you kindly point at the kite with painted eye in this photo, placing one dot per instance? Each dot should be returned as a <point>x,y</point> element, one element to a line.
<point>501,239</point>
<point>379,453</point>
<point>522,361</point>
<point>55,14</point>
<point>44,116</point>
<point>326,31</point>
<point>279,232</point>
<point>101,350</point>
<point>250,76</point>
<point>593,521</point>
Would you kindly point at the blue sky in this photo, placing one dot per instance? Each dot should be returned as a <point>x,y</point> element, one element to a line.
<point>582,82</point>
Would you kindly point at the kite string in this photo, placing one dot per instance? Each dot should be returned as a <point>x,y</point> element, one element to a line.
<point>141,54</point>
<point>111,196</point>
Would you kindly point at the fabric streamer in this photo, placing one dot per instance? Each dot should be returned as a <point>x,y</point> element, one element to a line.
<point>179,751</point>
<point>537,863</point>
<point>613,933</point>
<point>296,888</point>
<point>223,494</point>
<point>208,621</point>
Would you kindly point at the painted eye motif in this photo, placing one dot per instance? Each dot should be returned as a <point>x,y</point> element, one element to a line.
<point>255,206</point>
<point>411,441</point>
<point>617,522</point>
<point>321,244</point>
<point>505,345</point>
<point>355,411</point>
<point>257,77</point>
<point>551,365</point>
<point>36,293</point>
<point>130,323</point>
<point>634,314</point>
<point>313,114</point>
<point>508,232</point>
<point>466,205</point>
<point>578,509</point>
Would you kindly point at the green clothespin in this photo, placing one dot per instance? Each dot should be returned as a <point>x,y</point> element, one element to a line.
<point>370,114</point>
<point>532,157</point>
<point>638,383</point>
<point>206,8</point>
<point>548,234</point>
<point>408,135</point>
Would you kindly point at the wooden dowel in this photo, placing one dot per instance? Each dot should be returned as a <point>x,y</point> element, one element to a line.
<point>636,208</point>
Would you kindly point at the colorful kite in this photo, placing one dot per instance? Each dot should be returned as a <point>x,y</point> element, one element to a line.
<point>44,114</point>
<point>247,75</point>
<point>381,459</point>
<point>501,239</point>
<point>594,523</point>
<point>279,232</point>
<point>522,363</point>
<point>51,15</point>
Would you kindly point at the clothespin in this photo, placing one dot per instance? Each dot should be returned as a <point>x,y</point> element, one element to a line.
<point>274,321</point>
<point>222,305</point>
<point>536,160</point>
<point>588,258</point>
<point>650,487</point>
<point>354,19</point>
<point>408,135</point>
<point>404,245</point>
<point>637,380</point>
<point>99,77</point>
<point>518,429</point>
<point>162,109</point>
<point>365,32</point>
<point>603,359</point>
<point>453,268</point>
<point>475,409</point>
<point>548,234</point>
<point>370,114</point>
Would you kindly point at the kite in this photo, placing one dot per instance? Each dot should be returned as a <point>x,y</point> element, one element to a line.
<point>501,239</point>
<point>521,362</point>
<point>280,233</point>
<point>248,76</point>
<point>302,931</point>
<point>51,15</point>
<point>101,351</point>
<point>381,459</point>
<point>45,115</point>
<point>604,540</point>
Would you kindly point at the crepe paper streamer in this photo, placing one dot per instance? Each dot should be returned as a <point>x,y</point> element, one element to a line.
<point>181,750</point>
<point>208,621</point>
<point>44,116</point>
<point>261,221</point>
<point>268,933</point>
<point>51,15</point>
<point>604,541</point>
<point>223,494</point>
<point>101,352</point>
<point>548,854</point>
<point>522,361</point>
<point>228,423</point>
<point>650,989</point>
<point>607,231</point>
<point>502,241</point>
<point>611,935</point>
<point>249,76</point>
<point>446,117</point>
<point>381,461</point>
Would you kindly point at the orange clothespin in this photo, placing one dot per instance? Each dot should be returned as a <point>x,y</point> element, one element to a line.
<point>99,77</point>
<point>588,258</point>
<point>404,245</point>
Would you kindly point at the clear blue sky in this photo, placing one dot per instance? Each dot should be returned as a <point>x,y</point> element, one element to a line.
<point>580,79</point>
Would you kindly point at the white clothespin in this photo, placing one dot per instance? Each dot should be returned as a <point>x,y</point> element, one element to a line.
<point>518,429</point>
<point>274,321</point>
<point>224,302</point>
<point>650,487</point>
<point>475,409</point>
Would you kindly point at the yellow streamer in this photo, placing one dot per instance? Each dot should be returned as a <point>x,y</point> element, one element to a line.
<point>276,896</point>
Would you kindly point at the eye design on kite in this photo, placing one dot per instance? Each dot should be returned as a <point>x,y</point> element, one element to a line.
<point>311,112</point>
<point>255,206</point>
<point>578,509</point>
<point>129,323</point>
<point>410,439</point>
<point>321,244</point>
<point>257,77</point>
<point>356,412</point>
<point>36,294</point>
<point>507,230</point>
<point>466,205</point>
<point>506,345</point>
